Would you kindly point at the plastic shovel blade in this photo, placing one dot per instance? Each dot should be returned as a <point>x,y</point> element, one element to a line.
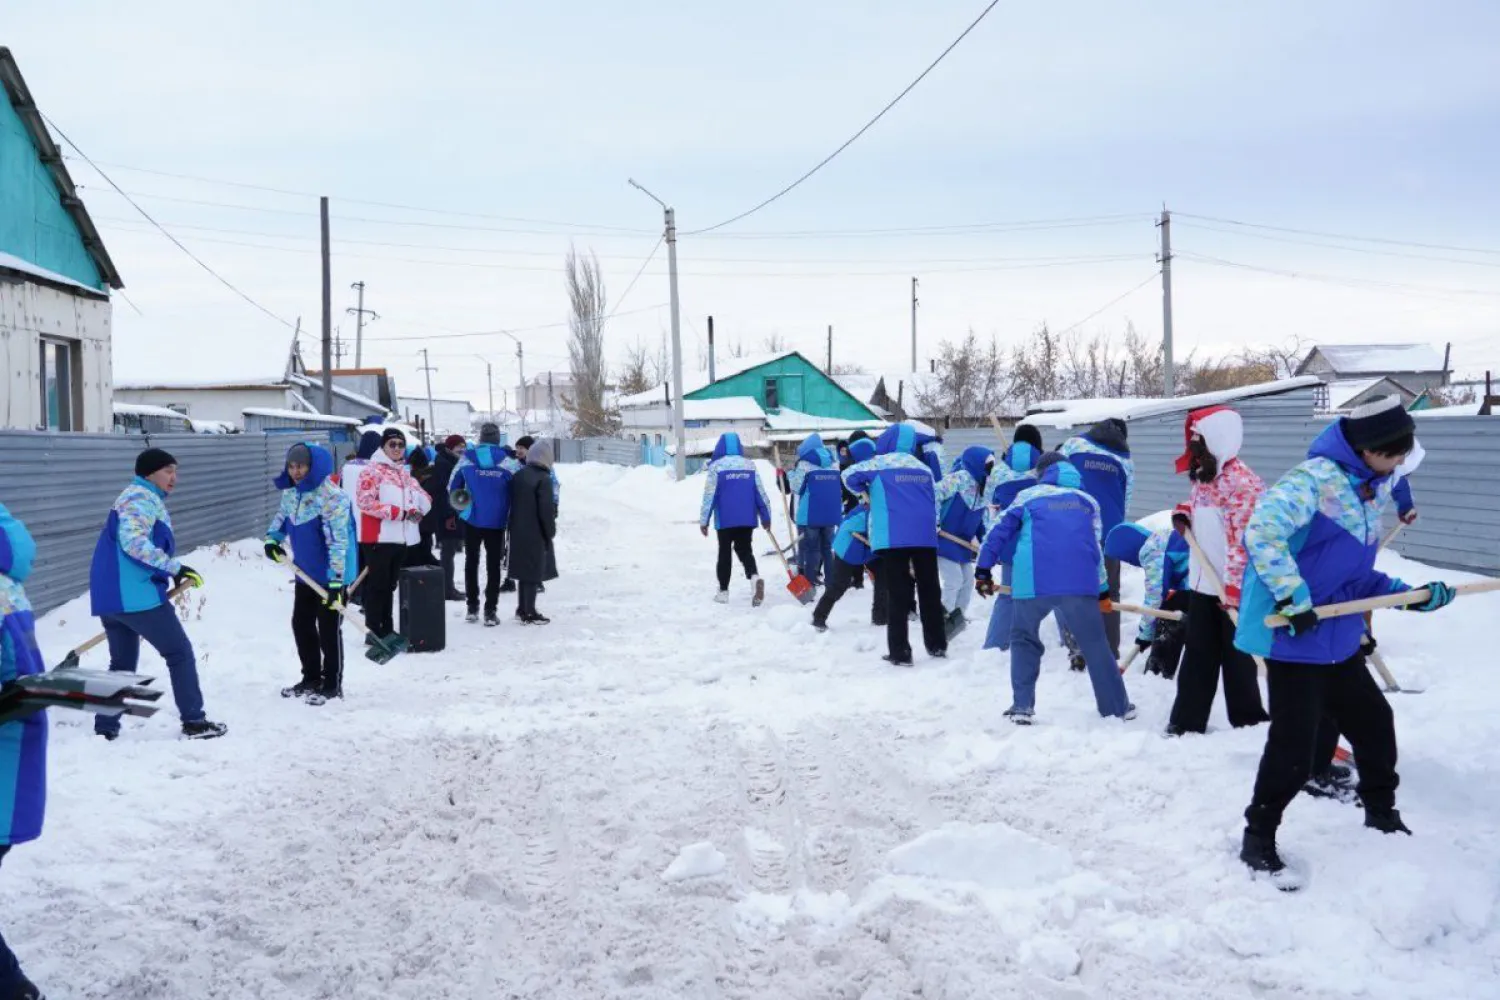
<point>801,587</point>
<point>386,650</point>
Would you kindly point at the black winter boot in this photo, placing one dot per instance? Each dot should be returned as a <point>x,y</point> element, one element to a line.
<point>1386,821</point>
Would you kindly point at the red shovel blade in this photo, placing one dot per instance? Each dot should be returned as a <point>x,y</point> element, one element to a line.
<point>801,588</point>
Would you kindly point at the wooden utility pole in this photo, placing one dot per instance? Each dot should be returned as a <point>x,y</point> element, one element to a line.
<point>914,324</point>
<point>327,311</point>
<point>829,369</point>
<point>1169,370</point>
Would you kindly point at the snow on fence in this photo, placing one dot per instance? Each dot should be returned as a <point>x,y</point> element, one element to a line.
<point>1455,488</point>
<point>62,485</point>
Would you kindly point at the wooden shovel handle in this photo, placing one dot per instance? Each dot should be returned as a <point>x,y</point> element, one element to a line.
<point>89,644</point>
<point>1401,600</point>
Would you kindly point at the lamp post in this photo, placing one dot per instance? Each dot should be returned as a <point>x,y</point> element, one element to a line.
<point>521,363</point>
<point>670,235</point>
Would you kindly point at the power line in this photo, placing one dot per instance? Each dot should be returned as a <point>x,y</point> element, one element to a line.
<point>496,333</point>
<point>1109,305</point>
<point>1336,246</point>
<point>178,243</point>
<point>1338,236</point>
<point>867,126</point>
<point>1428,291</point>
<point>640,271</point>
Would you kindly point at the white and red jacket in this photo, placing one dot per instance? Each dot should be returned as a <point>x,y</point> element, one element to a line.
<point>1221,509</point>
<point>385,495</point>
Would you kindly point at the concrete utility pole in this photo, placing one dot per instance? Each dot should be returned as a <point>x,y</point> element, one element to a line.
<point>670,235</point>
<point>711,379</point>
<point>428,369</point>
<point>489,376</point>
<point>360,312</point>
<point>1169,370</point>
<point>829,370</point>
<point>914,324</point>
<point>551,406</point>
<point>327,309</point>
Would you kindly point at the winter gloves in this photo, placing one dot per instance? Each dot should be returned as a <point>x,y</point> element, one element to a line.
<point>1106,605</point>
<point>336,596</point>
<point>188,576</point>
<point>274,551</point>
<point>984,582</point>
<point>1442,595</point>
<point>1144,645</point>
<point>1299,623</point>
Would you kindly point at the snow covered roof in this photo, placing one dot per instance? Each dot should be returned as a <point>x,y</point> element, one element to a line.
<point>693,381</point>
<point>300,416</point>
<point>1378,359</point>
<point>1460,410</point>
<point>792,420</point>
<point>146,410</point>
<point>861,387</point>
<point>1342,391</point>
<point>272,382</point>
<point>10,262</point>
<point>1079,412</point>
<point>351,396</point>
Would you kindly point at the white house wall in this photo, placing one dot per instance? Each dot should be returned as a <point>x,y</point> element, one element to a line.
<point>449,416</point>
<point>29,311</point>
<point>213,404</point>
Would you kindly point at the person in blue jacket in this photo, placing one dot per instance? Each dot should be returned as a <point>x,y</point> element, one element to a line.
<point>1102,455</point>
<point>134,561</point>
<point>1009,476</point>
<point>852,555</point>
<point>734,502</point>
<point>819,489</point>
<point>479,490</point>
<point>1164,556</point>
<point>23,742</point>
<point>316,517</point>
<point>1051,537</point>
<point>902,495</point>
<point>1312,541</point>
<point>961,515</point>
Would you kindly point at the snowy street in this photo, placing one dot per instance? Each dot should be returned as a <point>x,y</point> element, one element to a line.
<point>659,797</point>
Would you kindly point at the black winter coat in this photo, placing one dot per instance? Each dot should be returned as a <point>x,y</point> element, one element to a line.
<point>533,525</point>
<point>442,508</point>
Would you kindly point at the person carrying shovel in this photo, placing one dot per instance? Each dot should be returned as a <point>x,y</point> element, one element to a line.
<point>734,501</point>
<point>852,555</point>
<point>316,517</point>
<point>1312,540</point>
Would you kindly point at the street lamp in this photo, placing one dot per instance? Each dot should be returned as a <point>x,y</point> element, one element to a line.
<point>671,238</point>
<point>521,362</point>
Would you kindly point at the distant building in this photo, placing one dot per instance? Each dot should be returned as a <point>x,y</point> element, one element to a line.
<point>1412,368</point>
<point>55,280</point>
<point>448,416</point>
<point>1346,394</point>
<point>228,400</point>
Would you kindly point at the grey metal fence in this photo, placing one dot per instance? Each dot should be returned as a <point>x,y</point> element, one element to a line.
<point>611,451</point>
<point>62,485</point>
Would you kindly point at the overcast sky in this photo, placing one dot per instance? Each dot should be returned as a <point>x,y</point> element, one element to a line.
<point>1369,118</point>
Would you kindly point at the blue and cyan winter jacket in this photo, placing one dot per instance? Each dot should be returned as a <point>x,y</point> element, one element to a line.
<point>733,496</point>
<point>1401,493</point>
<point>1103,457</point>
<point>901,489</point>
<point>845,545</point>
<point>1313,540</point>
<point>1163,555</point>
<point>486,471</point>
<point>317,518</point>
<point>817,485</point>
<point>23,743</point>
<point>962,503</point>
<point>1011,474</point>
<point>1050,536</point>
<point>134,559</point>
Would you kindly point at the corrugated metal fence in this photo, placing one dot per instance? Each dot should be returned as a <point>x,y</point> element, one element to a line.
<point>611,451</point>
<point>1455,488</point>
<point>62,485</point>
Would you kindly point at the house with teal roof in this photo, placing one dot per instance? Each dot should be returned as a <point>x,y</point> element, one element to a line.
<point>55,280</point>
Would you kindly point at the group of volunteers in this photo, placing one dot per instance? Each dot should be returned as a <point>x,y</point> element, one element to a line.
<point>928,533</point>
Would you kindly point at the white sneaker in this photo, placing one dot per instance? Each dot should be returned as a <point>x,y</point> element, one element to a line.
<point>1129,713</point>
<point>722,597</point>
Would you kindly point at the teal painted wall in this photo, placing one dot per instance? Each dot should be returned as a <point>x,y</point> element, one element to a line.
<point>801,386</point>
<point>33,223</point>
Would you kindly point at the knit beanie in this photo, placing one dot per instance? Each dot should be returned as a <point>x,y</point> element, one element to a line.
<point>299,454</point>
<point>151,461</point>
<point>1028,434</point>
<point>454,441</point>
<point>392,434</point>
<point>489,434</point>
<point>1378,422</point>
<point>525,442</point>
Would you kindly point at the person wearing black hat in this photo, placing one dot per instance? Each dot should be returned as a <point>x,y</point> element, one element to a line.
<point>1312,540</point>
<point>134,561</point>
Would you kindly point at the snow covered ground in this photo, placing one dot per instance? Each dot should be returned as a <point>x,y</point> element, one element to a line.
<point>660,797</point>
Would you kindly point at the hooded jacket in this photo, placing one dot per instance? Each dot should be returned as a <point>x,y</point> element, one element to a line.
<point>1163,555</point>
<point>1312,540</point>
<point>845,545</point>
<point>134,559</point>
<point>1050,536</point>
<point>23,743</point>
<point>486,472</point>
<point>902,491</point>
<point>1011,474</point>
<point>733,496</point>
<point>369,444</point>
<point>1103,458</point>
<point>817,485</point>
<point>963,503</point>
<point>315,515</point>
<point>386,492</point>
<point>1222,507</point>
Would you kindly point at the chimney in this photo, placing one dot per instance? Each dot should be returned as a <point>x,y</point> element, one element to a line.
<point>1447,356</point>
<point>711,378</point>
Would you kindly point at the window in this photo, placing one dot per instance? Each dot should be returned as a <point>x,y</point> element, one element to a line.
<point>773,394</point>
<point>59,374</point>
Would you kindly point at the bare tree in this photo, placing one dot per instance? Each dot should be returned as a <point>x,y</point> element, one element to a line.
<point>1036,368</point>
<point>774,343</point>
<point>587,308</point>
<point>1280,359</point>
<point>969,383</point>
<point>848,368</point>
<point>635,372</point>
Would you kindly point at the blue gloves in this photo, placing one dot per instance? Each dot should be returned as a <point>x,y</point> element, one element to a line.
<point>1442,596</point>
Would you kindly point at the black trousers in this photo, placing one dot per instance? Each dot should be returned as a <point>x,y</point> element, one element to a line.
<point>739,542</point>
<point>1304,696</point>
<point>1166,650</point>
<point>448,549</point>
<point>900,567</point>
<point>320,645</point>
<point>357,596</point>
<point>385,562</point>
<point>526,598</point>
<point>842,578</point>
<point>492,541</point>
<point>1209,652</point>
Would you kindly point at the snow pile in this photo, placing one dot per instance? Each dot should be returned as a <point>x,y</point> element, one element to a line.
<point>661,797</point>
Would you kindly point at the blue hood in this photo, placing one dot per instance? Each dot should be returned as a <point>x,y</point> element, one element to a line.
<point>901,439</point>
<point>811,450</point>
<point>1021,457</point>
<point>1063,473</point>
<point>1124,542</point>
<point>488,456</point>
<point>862,450</point>
<point>17,548</point>
<point>369,444</point>
<point>320,469</point>
<point>729,444</point>
<point>975,460</point>
<point>1332,444</point>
